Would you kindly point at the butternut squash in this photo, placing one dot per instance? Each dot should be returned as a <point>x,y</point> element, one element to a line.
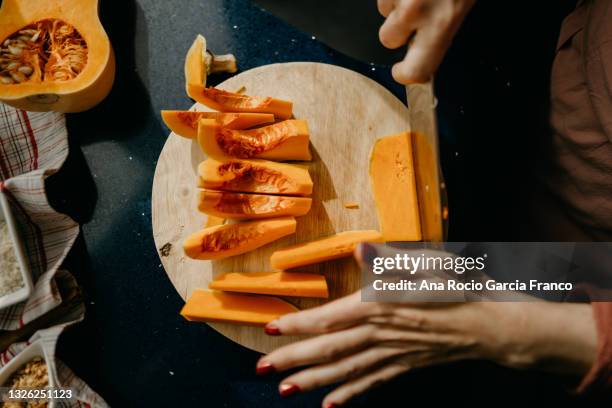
<point>185,123</point>
<point>394,186</point>
<point>273,283</point>
<point>224,101</point>
<point>255,176</point>
<point>286,140</point>
<point>199,63</point>
<point>214,306</point>
<point>228,240</point>
<point>238,206</point>
<point>55,55</point>
<point>326,249</point>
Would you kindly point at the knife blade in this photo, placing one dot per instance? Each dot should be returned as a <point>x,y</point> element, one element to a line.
<point>431,190</point>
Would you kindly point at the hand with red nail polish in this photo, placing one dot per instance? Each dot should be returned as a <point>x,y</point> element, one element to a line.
<point>362,344</point>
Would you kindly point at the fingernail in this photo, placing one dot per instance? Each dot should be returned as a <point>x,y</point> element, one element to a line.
<point>272,330</point>
<point>368,252</point>
<point>286,390</point>
<point>263,367</point>
<point>331,405</point>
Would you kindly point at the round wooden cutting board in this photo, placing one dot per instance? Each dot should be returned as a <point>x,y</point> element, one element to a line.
<point>346,113</point>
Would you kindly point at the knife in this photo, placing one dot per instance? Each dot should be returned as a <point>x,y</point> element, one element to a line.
<point>431,190</point>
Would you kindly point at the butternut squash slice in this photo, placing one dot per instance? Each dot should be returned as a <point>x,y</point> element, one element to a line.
<point>224,101</point>
<point>286,140</point>
<point>54,55</point>
<point>273,283</point>
<point>185,123</point>
<point>394,186</point>
<point>228,240</point>
<point>255,176</point>
<point>326,249</point>
<point>199,63</point>
<point>238,206</point>
<point>214,306</point>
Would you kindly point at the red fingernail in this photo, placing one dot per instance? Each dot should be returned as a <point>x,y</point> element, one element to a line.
<point>272,330</point>
<point>331,405</point>
<point>264,368</point>
<point>286,390</point>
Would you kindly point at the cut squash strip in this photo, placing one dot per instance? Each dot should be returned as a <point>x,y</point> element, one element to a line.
<point>286,140</point>
<point>255,176</point>
<point>213,221</point>
<point>334,247</point>
<point>224,101</point>
<point>195,63</point>
<point>185,123</point>
<point>213,306</point>
<point>238,206</point>
<point>393,182</point>
<point>228,240</point>
<point>273,283</point>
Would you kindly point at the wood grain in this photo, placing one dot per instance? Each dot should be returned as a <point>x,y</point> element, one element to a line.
<point>346,113</point>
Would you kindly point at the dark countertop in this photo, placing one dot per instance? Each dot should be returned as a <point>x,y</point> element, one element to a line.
<point>133,347</point>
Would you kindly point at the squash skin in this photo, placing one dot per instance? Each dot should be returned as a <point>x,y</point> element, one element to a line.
<point>228,240</point>
<point>240,206</point>
<point>286,140</point>
<point>214,306</point>
<point>184,123</point>
<point>392,172</point>
<point>326,249</point>
<point>273,283</point>
<point>224,101</point>
<point>85,91</point>
<point>244,176</point>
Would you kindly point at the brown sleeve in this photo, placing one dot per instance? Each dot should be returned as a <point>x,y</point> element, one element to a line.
<point>599,377</point>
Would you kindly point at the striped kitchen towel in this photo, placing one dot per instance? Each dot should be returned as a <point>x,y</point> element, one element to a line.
<point>33,146</point>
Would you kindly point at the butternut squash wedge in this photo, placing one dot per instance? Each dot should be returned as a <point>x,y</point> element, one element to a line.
<point>228,240</point>
<point>273,283</point>
<point>55,55</point>
<point>286,140</point>
<point>238,206</point>
<point>214,306</point>
<point>255,176</point>
<point>224,101</point>
<point>199,63</point>
<point>185,123</point>
<point>394,186</point>
<point>326,249</point>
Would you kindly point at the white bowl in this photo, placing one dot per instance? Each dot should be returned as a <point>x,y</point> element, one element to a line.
<point>21,294</point>
<point>33,350</point>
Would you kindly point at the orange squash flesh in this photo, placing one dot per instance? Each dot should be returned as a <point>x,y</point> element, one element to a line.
<point>334,247</point>
<point>66,59</point>
<point>255,176</point>
<point>228,240</point>
<point>185,123</point>
<point>195,65</point>
<point>286,140</point>
<point>214,306</point>
<point>273,283</point>
<point>238,206</point>
<point>394,186</point>
<point>213,221</point>
<point>224,101</point>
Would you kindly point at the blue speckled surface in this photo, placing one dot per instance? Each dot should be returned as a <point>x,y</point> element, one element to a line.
<point>133,347</point>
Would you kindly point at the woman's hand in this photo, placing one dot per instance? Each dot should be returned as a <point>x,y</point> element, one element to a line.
<point>366,343</point>
<point>433,23</point>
